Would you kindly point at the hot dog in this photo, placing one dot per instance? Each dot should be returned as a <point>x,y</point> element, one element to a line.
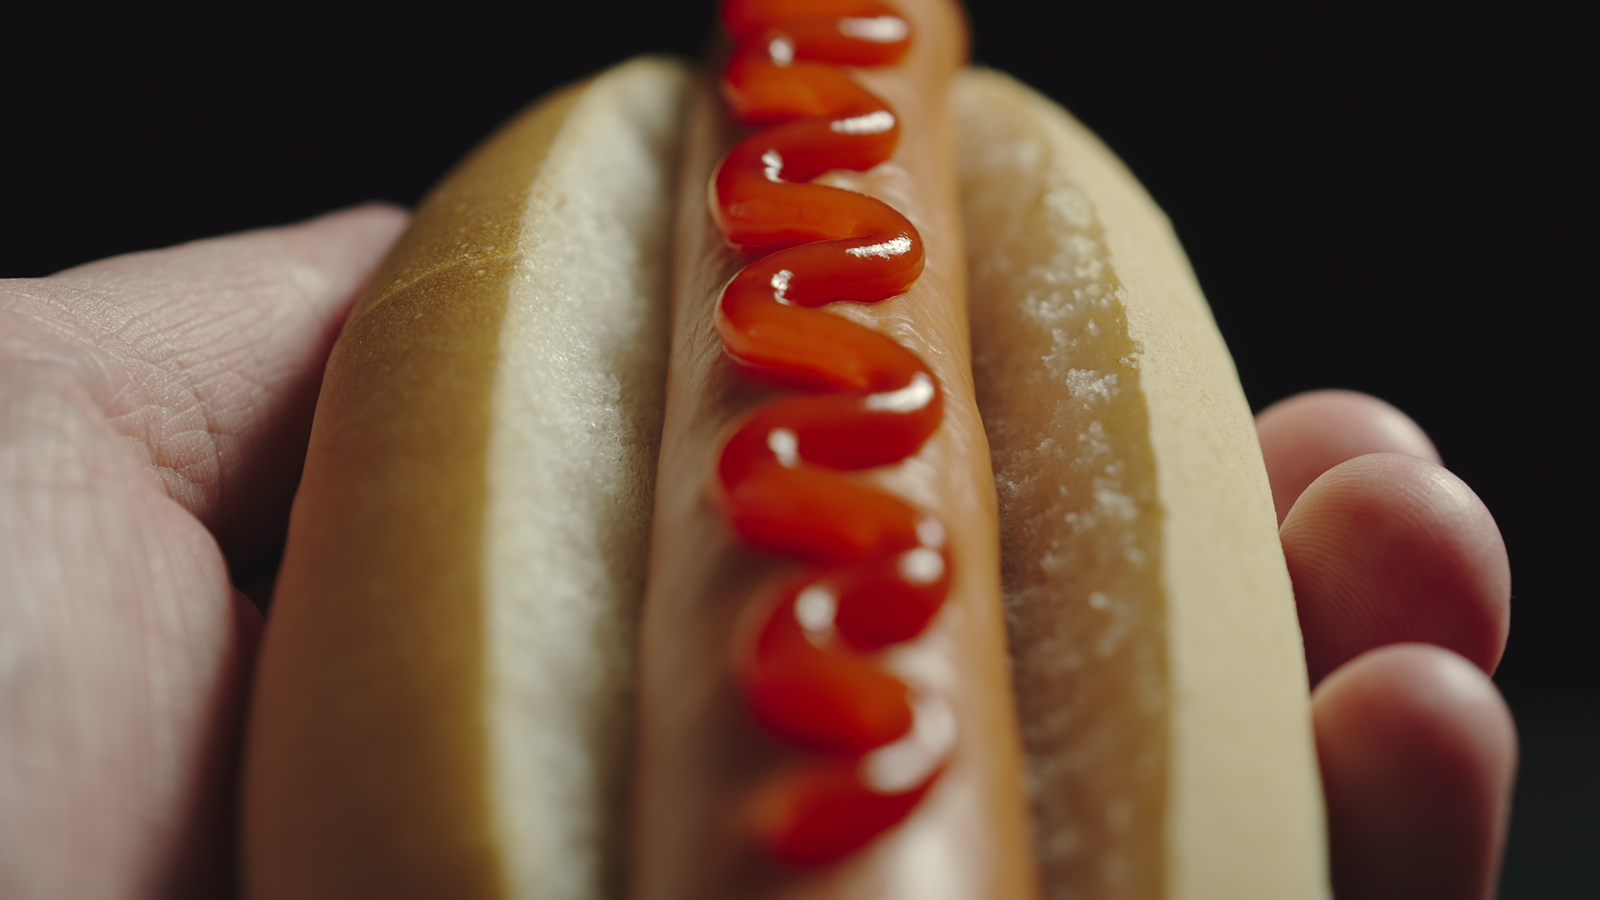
<point>446,699</point>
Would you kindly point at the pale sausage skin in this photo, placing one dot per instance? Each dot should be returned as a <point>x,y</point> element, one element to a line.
<point>700,752</point>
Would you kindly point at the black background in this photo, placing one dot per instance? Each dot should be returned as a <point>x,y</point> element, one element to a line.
<point>1390,199</point>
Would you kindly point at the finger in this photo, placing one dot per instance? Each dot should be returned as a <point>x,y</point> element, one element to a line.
<point>1388,548</point>
<point>1308,434</point>
<point>209,355</point>
<point>123,685</point>
<point>126,664</point>
<point>1418,755</point>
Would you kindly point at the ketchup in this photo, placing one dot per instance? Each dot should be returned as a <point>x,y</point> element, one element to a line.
<point>878,569</point>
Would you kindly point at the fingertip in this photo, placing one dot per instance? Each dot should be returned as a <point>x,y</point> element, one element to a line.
<point>329,258</point>
<point>1388,548</point>
<point>1419,700</point>
<point>214,352</point>
<point>1306,435</point>
<point>374,210</point>
<point>1418,754</point>
<point>372,226</point>
<point>345,242</point>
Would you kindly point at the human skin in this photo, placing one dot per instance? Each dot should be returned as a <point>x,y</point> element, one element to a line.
<point>154,410</point>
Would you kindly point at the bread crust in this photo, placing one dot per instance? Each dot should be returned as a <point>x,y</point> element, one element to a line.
<point>404,739</point>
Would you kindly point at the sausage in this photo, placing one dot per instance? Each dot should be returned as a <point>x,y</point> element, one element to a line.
<point>704,760</point>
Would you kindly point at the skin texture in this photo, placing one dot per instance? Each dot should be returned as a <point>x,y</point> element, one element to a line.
<point>1388,547</point>
<point>1385,547</point>
<point>1310,433</point>
<point>1417,750</point>
<point>155,404</point>
<point>153,412</point>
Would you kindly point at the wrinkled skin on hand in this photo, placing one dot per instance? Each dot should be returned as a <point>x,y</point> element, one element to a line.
<point>154,410</point>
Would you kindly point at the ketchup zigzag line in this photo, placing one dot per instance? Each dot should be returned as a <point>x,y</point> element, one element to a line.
<point>879,569</point>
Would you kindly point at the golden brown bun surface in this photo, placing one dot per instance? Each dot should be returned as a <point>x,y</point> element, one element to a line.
<point>425,657</point>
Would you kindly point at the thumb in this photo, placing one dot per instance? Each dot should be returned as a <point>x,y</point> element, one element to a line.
<point>208,356</point>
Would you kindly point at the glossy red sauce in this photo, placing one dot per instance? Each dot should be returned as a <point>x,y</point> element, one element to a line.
<point>877,569</point>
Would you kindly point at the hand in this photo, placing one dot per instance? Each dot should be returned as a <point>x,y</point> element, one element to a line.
<point>1404,592</point>
<point>154,410</point>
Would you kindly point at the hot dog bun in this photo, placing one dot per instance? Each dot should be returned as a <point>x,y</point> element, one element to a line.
<point>443,704</point>
<point>1155,648</point>
<point>444,694</point>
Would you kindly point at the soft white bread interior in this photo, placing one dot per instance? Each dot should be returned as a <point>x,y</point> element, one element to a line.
<point>1156,653</point>
<point>444,699</point>
<point>571,467</point>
